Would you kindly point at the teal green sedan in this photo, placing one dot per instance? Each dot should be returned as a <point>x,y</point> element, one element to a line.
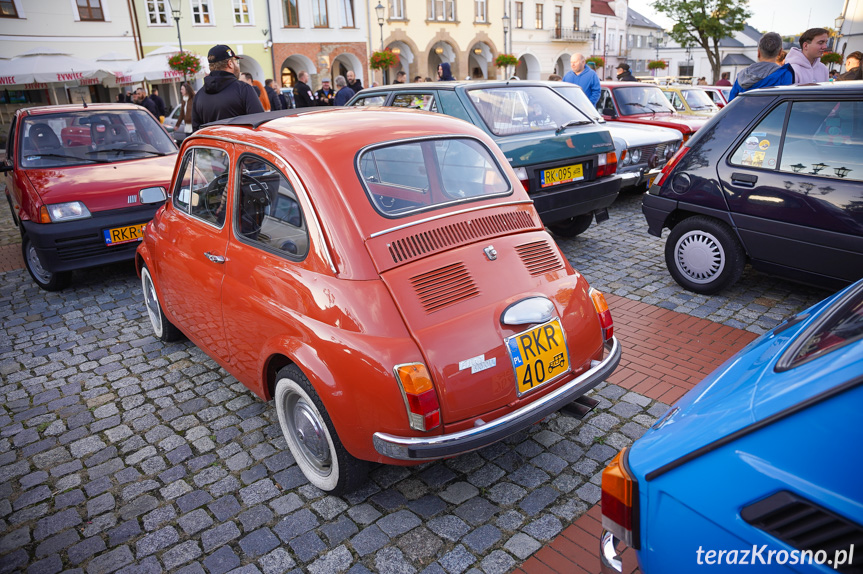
<point>565,161</point>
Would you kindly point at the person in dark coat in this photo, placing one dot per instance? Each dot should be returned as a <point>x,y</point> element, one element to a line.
<point>444,74</point>
<point>144,101</point>
<point>303,96</point>
<point>160,103</point>
<point>343,91</point>
<point>184,121</point>
<point>326,95</point>
<point>223,95</point>
<point>624,75</point>
<point>353,82</point>
<point>273,95</point>
<point>852,67</point>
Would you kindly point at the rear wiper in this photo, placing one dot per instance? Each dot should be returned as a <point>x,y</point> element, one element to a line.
<point>571,123</point>
<point>64,156</point>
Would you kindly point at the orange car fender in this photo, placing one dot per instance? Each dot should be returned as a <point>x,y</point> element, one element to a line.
<point>353,375</point>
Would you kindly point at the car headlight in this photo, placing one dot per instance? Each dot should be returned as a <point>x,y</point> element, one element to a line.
<point>635,154</point>
<point>625,159</point>
<point>69,211</point>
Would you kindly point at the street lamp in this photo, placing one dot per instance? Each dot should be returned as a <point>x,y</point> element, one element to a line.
<point>379,11</point>
<point>505,29</point>
<point>840,20</point>
<point>175,12</point>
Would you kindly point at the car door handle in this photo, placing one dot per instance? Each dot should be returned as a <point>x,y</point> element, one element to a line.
<point>214,258</point>
<point>744,179</point>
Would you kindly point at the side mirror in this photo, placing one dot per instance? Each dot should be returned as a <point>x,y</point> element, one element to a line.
<point>609,112</point>
<point>6,167</point>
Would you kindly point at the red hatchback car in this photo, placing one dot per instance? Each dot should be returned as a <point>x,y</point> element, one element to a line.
<point>82,181</point>
<point>394,292</point>
<point>640,103</point>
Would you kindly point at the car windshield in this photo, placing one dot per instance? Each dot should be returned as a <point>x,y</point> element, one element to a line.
<point>642,100</point>
<point>698,100</point>
<point>576,97</point>
<point>408,177</point>
<point>90,137</point>
<point>515,109</point>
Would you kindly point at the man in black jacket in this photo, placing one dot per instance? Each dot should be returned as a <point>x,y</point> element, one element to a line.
<point>303,96</point>
<point>161,109</point>
<point>143,100</point>
<point>273,96</point>
<point>623,73</point>
<point>223,95</point>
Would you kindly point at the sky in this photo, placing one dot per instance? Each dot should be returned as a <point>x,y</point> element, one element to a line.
<point>784,16</point>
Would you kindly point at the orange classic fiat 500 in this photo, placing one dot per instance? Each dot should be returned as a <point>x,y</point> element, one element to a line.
<point>380,274</point>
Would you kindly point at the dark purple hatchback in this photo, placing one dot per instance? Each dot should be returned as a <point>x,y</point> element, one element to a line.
<point>776,180</point>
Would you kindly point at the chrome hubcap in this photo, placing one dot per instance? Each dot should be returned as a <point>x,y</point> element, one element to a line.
<point>36,265</point>
<point>152,303</point>
<point>309,433</point>
<point>699,256</point>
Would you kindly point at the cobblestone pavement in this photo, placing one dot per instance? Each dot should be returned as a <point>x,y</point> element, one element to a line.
<point>121,453</point>
<point>118,451</point>
<point>619,257</point>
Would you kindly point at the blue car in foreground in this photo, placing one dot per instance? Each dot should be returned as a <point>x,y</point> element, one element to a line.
<point>760,467</point>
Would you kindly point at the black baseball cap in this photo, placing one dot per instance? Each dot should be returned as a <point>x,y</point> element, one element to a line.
<point>624,67</point>
<point>220,53</point>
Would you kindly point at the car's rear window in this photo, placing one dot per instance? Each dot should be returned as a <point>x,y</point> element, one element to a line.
<point>842,326</point>
<point>514,109</point>
<point>420,175</point>
<point>91,137</point>
<point>641,100</point>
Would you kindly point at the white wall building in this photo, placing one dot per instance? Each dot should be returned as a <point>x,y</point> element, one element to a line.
<point>736,52</point>
<point>608,28</point>
<point>640,38</point>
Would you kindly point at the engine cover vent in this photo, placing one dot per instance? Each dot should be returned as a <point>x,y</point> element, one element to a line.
<point>446,236</point>
<point>539,257</point>
<point>444,287</point>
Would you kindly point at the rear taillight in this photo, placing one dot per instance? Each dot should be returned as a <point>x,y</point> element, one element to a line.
<point>620,500</point>
<point>521,173</point>
<point>606,164</point>
<point>419,395</point>
<point>672,163</point>
<point>601,307</point>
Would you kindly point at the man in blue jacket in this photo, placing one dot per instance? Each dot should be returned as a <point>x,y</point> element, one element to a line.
<point>583,77</point>
<point>765,72</point>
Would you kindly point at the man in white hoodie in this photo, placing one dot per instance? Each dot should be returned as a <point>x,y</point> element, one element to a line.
<point>806,60</point>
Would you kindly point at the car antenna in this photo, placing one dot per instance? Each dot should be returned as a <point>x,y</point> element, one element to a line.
<point>83,101</point>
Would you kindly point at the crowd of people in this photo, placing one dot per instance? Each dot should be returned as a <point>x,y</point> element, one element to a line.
<point>229,93</point>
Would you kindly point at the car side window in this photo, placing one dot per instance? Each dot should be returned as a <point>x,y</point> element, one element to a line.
<point>824,138</point>
<point>605,105</point>
<point>842,327</point>
<point>760,147</point>
<point>416,101</point>
<point>202,188</point>
<point>268,211</point>
<point>370,101</point>
<point>675,100</point>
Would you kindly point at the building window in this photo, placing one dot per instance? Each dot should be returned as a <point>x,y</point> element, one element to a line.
<point>558,21</point>
<point>319,14</point>
<point>519,14</point>
<point>201,13</point>
<point>441,10</point>
<point>292,17</point>
<point>576,18</point>
<point>347,8</point>
<point>157,12</point>
<point>90,10</point>
<point>481,11</point>
<point>7,9</point>
<point>242,15</point>
<point>397,9</point>
<point>539,16</point>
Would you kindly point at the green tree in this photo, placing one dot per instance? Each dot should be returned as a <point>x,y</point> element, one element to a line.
<point>704,23</point>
